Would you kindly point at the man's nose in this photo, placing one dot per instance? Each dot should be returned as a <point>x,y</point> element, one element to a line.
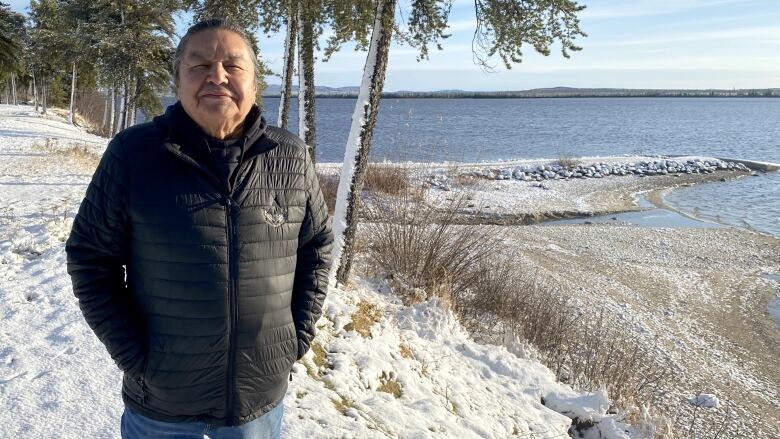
<point>217,74</point>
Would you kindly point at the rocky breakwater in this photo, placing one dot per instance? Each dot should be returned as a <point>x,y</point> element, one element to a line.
<point>567,171</point>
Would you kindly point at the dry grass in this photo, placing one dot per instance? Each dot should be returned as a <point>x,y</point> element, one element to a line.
<point>364,318</point>
<point>425,255</point>
<point>329,184</point>
<point>566,161</point>
<point>387,179</point>
<point>406,351</point>
<point>581,346</point>
<point>389,385</point>
<point>77,155</point>
<point>343,404</point>
<point>423,251</point>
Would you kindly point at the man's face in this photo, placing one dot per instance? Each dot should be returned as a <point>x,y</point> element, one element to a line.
<point>217,81</point>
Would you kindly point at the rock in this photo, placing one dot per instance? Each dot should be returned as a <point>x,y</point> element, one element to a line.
<point>705,400</point>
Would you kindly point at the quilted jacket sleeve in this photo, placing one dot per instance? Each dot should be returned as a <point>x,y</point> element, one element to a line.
<point>311,274</point>
<point>96,252</point>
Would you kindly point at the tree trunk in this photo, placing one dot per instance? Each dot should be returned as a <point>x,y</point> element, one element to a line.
<point>44,89</point>
<point>105,114</point>
<point>35,91</point>
<point>13,86</point>
<point>120,109</point>
<point>288,67</point>
<point>72,94</point>
<point>306,110</point>
<point>125,97</point>
<point>364,117</point>
<point>113,112</point>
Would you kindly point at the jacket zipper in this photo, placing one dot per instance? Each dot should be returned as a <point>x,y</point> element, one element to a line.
<point>230,206</point>
<point>232,304</point>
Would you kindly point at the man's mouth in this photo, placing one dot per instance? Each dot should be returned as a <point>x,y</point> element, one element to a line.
<point>215,95</point>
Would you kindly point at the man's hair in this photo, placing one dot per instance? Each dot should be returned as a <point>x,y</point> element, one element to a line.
<point>211,24</point>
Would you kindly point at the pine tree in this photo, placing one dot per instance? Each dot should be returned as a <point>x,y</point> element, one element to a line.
<point>12,43</point>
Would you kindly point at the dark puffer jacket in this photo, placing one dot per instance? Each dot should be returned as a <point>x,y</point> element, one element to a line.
<point>223,285</point>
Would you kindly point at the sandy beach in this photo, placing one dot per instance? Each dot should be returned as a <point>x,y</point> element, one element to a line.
<point>697,294</point>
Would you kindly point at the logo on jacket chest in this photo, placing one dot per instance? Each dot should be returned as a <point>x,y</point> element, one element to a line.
<point>275,215</point>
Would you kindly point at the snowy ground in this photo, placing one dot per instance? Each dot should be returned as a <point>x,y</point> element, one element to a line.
<point>700,295</point>
<point>414,372</point>
<point>511,201</point>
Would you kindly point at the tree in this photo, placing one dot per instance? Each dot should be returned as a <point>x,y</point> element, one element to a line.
<point>45,48</point>
<point>503,26</point>
<point>309,29</point>
<point>134,45</point>
<point>288,64</point>
<point>12,36</point>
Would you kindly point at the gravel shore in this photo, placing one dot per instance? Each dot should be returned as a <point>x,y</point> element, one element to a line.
<point>698,295</point>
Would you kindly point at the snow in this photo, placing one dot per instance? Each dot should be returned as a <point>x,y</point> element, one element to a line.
<point>705,400</point>
<point>56,380</point>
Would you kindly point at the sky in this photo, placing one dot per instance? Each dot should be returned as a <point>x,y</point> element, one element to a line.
<point>675,44</point>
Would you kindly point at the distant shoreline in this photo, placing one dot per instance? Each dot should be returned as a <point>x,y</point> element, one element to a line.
<point>405,96</point>
<point>558,92</point>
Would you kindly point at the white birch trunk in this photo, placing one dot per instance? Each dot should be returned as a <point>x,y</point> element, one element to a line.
<point>290,41</point>
<point>72,94</point>
<point>105,113</point>
<point>35,91</point>
<point>125,102</point>
<point>120,109</point>
<point>359,142</point>
<point>112,119</point>
<point>44,90</point>
<point>301,79</point>
<point>13,86</point>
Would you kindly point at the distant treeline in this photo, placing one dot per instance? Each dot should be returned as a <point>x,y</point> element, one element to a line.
<point>556,93</point>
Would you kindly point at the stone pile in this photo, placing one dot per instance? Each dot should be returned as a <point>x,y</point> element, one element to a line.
<point>556,171</point>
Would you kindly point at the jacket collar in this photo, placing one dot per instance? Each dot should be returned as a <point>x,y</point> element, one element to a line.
<point>185,136</point>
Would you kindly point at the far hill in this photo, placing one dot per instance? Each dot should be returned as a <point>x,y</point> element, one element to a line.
<point>273,90</point>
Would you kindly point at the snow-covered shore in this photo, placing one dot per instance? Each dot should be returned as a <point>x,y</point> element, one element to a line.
<point>57,381</point>
<point>410,371</point>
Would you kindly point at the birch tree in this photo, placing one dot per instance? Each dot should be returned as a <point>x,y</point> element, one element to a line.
<point>359,140</point>
<point>288,65</point>
<point>503,27</point>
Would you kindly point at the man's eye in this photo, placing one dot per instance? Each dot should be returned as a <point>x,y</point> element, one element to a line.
<point>233,67</point>
<point>200,66</point>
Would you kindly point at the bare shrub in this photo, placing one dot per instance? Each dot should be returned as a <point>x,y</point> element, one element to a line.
<point>426,255</point>
<point>461,178</point>
<point>422,249</point>
<point>581,346</point>
<point>388,179</point>
<point>329,184</point>
<point>566,161</point>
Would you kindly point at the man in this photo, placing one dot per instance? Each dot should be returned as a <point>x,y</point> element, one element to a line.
<point>221,225</point>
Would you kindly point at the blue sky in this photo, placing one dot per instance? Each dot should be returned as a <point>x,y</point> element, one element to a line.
<point>630,43</point>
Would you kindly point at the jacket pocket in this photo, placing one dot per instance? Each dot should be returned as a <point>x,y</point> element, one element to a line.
<point>136,385</point>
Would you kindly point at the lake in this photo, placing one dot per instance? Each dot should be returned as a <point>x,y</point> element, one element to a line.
<point>470,130</point>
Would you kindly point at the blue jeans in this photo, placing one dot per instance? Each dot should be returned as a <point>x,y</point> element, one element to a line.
<point>268,426</point>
